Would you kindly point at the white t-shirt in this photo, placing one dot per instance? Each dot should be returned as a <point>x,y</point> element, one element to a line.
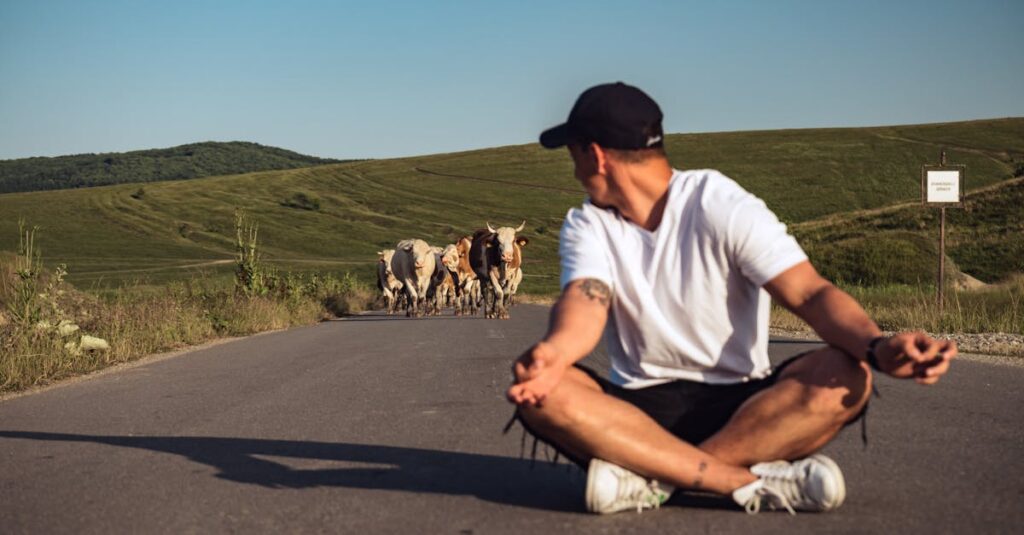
<point>687,299</point>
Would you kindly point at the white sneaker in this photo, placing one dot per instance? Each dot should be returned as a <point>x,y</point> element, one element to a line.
<point>811,484</point>
<point>612,488</point>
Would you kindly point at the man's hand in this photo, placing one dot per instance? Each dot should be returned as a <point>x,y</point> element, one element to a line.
<point>915,355</point>
<point>535,373</point>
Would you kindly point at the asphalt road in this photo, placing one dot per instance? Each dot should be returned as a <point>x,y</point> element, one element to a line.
<point>392,425</point>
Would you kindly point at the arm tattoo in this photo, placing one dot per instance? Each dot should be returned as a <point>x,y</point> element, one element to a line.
<point>700,478</point>
<point>596,291</point>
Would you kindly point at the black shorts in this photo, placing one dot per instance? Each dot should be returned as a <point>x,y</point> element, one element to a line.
<point>690,410</point>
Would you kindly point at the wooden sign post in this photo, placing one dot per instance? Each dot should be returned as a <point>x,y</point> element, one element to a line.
<point>942,186</point>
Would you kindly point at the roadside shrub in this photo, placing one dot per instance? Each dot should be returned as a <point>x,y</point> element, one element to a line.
<point>347,296</point>
<point>250,274</point>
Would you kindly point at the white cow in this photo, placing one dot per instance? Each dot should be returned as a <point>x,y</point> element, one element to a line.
<point>388,284</point>
<point>413,264</point>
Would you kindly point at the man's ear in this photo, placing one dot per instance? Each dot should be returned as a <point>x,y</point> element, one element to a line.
<point>599,157</point>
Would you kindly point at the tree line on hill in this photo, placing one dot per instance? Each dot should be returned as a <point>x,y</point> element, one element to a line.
<point>195,160</point>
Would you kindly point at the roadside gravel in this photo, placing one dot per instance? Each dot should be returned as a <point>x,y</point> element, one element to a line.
<point>994,346</point>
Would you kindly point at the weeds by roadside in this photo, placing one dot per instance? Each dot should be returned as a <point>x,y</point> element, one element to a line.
<point>44,321</point>
<point>995,309</point>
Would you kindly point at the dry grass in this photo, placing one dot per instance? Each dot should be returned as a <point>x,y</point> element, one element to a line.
<point>979,319</point>
<point>136,323</point>
<point>534,299</point>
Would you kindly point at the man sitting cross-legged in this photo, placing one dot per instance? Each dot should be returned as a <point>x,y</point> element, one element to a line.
<point>674,270</point>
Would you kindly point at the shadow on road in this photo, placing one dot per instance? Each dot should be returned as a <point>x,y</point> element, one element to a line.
<point>505,480</point>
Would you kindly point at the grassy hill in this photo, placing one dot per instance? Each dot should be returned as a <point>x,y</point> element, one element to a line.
<point>195,160</point>
<point>334,217</point>
<point>899,244</point>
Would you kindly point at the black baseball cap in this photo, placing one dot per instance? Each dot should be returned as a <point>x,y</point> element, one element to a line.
<point>615,116</point>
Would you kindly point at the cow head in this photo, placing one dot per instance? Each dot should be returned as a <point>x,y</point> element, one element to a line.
<point>463,246</point>
<point>505,236</point>
<point>450,257</point>
<point>385,258</point>
<point>418,250</point>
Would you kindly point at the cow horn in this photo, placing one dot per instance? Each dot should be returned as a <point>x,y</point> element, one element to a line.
<point>490,228</point>
<point>521,227</point>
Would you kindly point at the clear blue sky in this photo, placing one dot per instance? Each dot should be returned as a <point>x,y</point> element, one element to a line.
<point>355,80</point>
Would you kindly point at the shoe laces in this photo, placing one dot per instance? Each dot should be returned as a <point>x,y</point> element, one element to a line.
<point>647,495</point>
<point>772,496</point>
<point>781,487</point>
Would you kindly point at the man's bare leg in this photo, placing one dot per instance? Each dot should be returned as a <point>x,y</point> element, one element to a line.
<point>804,410</point>
<point>588,423</point>
<point>813,397</point>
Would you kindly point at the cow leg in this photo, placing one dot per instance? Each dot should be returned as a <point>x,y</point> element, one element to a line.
<point>478,296</point>
<point>498,310</point>
<point>401,301</point>
<point>411,307</point>
<point>464,297</point>
<point>513,287</point>
<point>506,301</point>
<point>474,297</point>
<point>424,300</point>
<point>487,299</point>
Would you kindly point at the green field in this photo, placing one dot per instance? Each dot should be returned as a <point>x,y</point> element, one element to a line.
<point>828,183</point>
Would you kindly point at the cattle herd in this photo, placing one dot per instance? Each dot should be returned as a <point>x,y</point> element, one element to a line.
<point>476,272</point>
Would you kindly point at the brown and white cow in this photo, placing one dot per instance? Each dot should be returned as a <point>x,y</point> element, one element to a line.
<point>515,269</point>
<point>413,264</point>
<point>446,292</point>
<point>467,286</point>
<point>388,284</point>
<point>492,253</point>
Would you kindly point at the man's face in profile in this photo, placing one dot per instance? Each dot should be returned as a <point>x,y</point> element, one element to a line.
<point>585,163</point>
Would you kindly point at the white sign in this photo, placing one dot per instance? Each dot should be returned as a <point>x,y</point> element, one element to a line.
<point>943,186</point>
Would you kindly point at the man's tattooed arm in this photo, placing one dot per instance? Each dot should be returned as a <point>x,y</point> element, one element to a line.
<point>596,291</point>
